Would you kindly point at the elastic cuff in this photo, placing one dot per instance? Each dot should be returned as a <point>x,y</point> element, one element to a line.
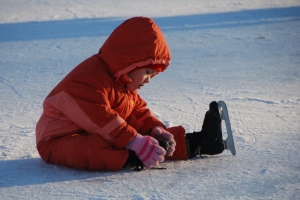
<point>131,142</point>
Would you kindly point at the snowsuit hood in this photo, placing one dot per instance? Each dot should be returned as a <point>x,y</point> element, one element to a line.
<point>135,43</point>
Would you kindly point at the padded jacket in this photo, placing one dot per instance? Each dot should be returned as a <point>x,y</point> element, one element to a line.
<point>92,97</point>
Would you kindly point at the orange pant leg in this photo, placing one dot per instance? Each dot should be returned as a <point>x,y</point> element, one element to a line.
<point>180,150</point>
<point>83,151</point>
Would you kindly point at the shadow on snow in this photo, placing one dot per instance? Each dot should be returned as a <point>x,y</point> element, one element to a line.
<point>34,171</point>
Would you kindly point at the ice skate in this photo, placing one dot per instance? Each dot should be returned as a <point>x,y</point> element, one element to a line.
<point>209,141</point>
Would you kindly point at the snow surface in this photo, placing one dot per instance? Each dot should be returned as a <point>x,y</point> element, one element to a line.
<point>246,53</point>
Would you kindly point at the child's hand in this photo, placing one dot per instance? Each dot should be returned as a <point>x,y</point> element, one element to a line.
<point>148,150</point>
<point>160,133</point>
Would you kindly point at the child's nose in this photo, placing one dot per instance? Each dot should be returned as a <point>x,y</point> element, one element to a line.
<point>147,80</point>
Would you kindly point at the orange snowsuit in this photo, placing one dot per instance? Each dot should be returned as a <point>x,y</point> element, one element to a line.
<point>90,116</point>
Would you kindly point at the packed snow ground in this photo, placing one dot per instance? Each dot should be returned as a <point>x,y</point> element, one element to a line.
<point>246,53</point>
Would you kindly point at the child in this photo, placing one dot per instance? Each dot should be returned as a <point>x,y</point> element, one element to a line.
<point>95,119</point>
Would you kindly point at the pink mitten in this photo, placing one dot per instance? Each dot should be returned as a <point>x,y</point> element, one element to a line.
<point>160,133</point>
<point>147,149</point>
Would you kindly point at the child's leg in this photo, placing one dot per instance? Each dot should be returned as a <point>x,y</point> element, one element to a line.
<point>187,145</point>
<point>208,141</point>
<point>180,152</point>
<point>83,151</point>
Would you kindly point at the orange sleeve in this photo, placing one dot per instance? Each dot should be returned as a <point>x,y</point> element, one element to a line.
<point>84,101</point>
<point>142,119</point>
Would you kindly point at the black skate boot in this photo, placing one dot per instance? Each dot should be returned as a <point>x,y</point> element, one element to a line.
<point>209,141</point>
<point>194,142</point>
<point>213,142</point>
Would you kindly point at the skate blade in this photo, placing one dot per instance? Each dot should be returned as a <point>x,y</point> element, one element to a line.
<point>229,142</point>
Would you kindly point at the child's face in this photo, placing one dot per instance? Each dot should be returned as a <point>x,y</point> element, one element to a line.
<point>139,78</point>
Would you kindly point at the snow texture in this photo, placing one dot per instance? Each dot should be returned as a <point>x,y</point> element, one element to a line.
<point>246,53</point>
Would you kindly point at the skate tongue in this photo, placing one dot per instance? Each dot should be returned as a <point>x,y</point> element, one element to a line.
<point>213,107</point>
